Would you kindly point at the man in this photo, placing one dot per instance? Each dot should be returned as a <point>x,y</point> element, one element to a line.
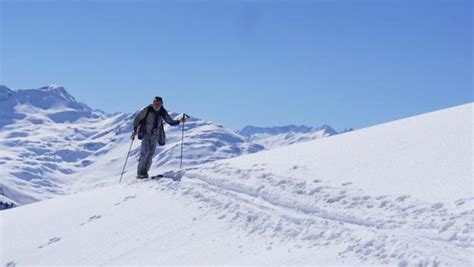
<point>148,125</point>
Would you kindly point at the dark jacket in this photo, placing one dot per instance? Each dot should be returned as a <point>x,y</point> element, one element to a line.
<point>144,120</point>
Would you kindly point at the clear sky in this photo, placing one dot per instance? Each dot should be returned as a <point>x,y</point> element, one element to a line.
<point>265,63</point>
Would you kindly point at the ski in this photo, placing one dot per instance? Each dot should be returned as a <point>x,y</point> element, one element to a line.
<point>174,175</point>
<point>150,177</point>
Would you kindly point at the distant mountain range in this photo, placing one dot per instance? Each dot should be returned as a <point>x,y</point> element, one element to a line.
<point>272,137</point>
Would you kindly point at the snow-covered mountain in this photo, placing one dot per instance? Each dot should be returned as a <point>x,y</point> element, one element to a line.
<point>398,193</point>
<point>53,101</point>
<point>272,137</point>
<point>49,141</point>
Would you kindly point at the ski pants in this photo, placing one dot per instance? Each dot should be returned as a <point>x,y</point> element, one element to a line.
<point>147,151</point>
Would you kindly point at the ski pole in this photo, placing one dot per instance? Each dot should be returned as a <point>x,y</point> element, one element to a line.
<point>182,142</point>
<point>128,154</point>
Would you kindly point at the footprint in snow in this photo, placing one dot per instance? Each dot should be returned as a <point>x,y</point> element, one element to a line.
<point>402,198</point>
<point>92,218</point>
<point>460,202</point>
<point>346,183</point>
<point>51,241</point>
<point>95,217</point>
<point>127,198</point>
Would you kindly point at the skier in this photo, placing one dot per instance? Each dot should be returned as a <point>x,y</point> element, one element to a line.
<point>148,126</point>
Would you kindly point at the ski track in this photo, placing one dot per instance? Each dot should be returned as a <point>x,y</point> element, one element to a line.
<point>374,229</point>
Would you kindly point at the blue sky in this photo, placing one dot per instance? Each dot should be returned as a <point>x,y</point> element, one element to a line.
<point>342,63</point>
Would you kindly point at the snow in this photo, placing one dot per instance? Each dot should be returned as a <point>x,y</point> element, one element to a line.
<point>132,224</point>
<point>432,152</point>
<point>397,193</point>
<point>50,143</point>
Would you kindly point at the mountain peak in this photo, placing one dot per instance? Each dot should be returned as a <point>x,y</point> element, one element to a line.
<point>59,90</point>
<point>51,87</point>
<point>5,93</point>
<point>52,99</point>
<point>49,97</point>
<point>328,129</point>
<point>4,88</point>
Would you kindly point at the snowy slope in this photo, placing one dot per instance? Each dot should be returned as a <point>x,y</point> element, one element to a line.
<point>396,193</point>
<point>278,136</point>
<point>49,141</point>
<point>204,142</point>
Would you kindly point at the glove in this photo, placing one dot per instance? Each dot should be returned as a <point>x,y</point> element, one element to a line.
<point>133,135</point>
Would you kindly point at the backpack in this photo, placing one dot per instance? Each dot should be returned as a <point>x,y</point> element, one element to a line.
<point>142,125</point>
